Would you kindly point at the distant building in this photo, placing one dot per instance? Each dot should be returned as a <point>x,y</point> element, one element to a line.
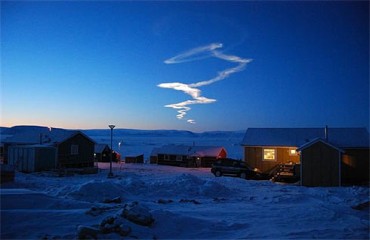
<point>135,159</point>
<point>187,156</point>
<point>102,153</point>
<point>328,156</point>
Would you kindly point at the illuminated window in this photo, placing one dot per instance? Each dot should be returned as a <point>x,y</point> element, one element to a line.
<point>269,154</point>
<point>292,152</point>
<point>74,149</point>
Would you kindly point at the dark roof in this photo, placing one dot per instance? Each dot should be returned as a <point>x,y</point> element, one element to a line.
<point>295,137</point>
<point>307,145</point>
<point>99,148</point>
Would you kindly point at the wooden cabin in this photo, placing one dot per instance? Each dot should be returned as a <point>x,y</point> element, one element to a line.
<point>102,153</point>
<point>75,151</point>
<point>318,148</point>
<point>135,159</point>
<point>320,164</point>
<point>187,156</point>
<point>74,148</point>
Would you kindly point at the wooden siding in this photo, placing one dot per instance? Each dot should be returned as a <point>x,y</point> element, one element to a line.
<point>355,166</point>
<point>85,156</point>
<point>137,159</point>
<point>254,157</point>
<point>320,165</point>
<point>172,160</point>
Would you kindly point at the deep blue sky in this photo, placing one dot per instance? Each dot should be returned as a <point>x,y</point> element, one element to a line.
<point>90,64</point>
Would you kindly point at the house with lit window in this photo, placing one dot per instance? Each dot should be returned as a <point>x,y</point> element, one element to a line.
<point>74,149</point>
<point>187,156</point>
<point>327,156</point>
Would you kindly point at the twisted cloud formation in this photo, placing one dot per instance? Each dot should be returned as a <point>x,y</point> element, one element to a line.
<point>192,88</point>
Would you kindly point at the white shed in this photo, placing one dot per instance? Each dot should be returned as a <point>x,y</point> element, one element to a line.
<point>32,158</point>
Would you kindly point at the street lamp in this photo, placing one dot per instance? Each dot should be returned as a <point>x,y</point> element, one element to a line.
<point>111,151</point>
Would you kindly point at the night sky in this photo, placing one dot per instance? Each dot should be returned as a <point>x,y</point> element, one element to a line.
<point>195,66</point>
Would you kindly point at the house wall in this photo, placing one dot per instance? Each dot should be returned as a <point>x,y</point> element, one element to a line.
<point>32,158</point>
<point>172,160</point>
<point>85,156</point>
<point>153,159</point>
<point>104,156</point>
<point>355,166</point>
<point>207,161</point>
<point>320,165</point>
<point>254,157</point>
<point>137,159</point>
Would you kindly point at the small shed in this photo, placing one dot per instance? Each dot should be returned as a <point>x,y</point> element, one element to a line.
<point>135,159</point>
<point>102,153</point>
<point>32,158</point>
<point>320,164</point>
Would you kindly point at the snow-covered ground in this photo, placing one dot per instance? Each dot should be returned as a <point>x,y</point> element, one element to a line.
<point>185,203</point>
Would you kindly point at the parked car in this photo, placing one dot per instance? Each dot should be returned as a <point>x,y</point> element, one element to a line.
<point>232,167</point>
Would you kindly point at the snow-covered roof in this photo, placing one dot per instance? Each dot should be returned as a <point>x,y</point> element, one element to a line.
<point>99,148</point>
<point>55,136</point>
<point>195,151</point>
<point>308,144</point>
<point>340,137</point>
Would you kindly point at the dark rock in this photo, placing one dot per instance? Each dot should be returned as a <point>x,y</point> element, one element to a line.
<point>162,201</point>
<point>113,200</point>
<point>124,230</point>
<point>85,232</point>
<point>189,201</point>
<point>137,214</point>
<point>362,206</point>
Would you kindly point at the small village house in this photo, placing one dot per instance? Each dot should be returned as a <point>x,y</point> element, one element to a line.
<point>74,148</point>
<point>328,156</point>
<point>187,156</point>
<point>135,159</point>
<point>102,153</point>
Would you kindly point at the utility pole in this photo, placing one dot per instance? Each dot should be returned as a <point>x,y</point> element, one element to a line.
<point>110,174</point>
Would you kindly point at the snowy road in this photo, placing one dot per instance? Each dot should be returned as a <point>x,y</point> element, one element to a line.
<point>185,203</point>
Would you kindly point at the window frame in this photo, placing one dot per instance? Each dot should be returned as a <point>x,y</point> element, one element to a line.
<point>274,154</point>
<point>293,154</point>
<point>74,149</point>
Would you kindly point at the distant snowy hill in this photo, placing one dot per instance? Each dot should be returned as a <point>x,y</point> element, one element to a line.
<point>127,132</point>
<point>133,142</point>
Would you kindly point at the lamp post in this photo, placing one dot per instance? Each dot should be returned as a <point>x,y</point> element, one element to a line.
<point>110,174</point>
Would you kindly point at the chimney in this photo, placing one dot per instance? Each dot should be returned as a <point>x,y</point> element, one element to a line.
<point>326,133</point>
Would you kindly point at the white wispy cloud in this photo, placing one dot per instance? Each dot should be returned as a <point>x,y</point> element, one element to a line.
<point>192,88</point>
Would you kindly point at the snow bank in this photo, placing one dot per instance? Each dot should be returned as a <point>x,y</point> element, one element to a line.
<point>184,203</point>
<point>186,185</point>
<point>95,191</point>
